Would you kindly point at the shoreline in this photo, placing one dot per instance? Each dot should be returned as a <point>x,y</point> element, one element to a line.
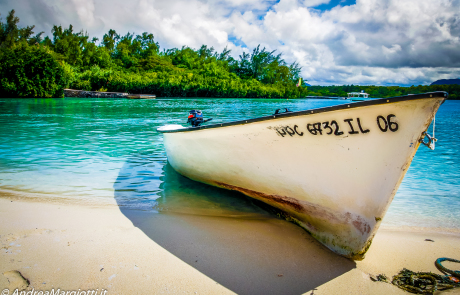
<point>79,246</point>
<point>104,201</point>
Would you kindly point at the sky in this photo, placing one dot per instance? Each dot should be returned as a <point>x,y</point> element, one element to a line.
<point>336,42</point>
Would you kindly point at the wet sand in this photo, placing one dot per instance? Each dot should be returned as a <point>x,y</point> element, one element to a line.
<point>72,246</point>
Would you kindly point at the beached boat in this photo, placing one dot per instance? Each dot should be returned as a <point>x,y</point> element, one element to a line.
<point>333,170</point>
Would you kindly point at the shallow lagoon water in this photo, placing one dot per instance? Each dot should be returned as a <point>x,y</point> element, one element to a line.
<point>101,150</point>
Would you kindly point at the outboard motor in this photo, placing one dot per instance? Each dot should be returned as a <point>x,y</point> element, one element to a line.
<point>278,111</point>
<point>195,118</point>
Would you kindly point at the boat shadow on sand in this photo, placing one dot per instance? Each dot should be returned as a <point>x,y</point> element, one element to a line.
<point>238,242</point>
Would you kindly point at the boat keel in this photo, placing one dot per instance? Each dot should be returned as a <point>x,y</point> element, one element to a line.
<point>347,234</point>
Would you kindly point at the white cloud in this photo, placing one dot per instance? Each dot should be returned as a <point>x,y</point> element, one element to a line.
<point>370,42</point>
<point>314,3</point>
<point>390,51</point>
<point>85,11</point>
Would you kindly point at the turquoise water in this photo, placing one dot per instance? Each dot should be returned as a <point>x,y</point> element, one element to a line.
<point>107,151</point>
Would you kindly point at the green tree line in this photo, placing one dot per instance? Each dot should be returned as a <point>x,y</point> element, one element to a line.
<point>33,66</point>
<point>383,91</point>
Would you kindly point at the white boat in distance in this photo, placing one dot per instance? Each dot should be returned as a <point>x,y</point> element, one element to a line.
<point>358,96</point>
<point>334,170</point>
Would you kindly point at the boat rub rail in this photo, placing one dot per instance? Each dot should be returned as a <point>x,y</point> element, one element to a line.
<point>319,110</point>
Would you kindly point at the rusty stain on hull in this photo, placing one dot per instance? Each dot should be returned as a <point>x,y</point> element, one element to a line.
<point>319,221</point>
<point>362,226</point>
<point>287,203</point>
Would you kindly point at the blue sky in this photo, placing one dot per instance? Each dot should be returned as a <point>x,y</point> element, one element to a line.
<point>334,3</point>
<point>337,42</point>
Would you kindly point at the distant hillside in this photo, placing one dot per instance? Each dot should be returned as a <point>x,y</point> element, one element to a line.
<point>446,82</point>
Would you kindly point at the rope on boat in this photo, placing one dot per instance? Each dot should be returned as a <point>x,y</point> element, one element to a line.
<point>425,282</point>
<point>431,139</point>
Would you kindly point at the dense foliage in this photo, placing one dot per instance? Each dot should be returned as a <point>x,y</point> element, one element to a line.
<point>30,71</point>
<point>26,68</point>
<point>32,66</point>
<point>135,64</point>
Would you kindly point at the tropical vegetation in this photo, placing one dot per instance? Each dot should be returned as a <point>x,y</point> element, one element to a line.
<point>36,66</point>
<point>33,66</point>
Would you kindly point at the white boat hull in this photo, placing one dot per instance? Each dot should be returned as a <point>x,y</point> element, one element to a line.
<point>336,179</point>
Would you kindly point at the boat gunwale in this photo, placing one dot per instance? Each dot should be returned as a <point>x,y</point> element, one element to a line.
<point>316,111</point>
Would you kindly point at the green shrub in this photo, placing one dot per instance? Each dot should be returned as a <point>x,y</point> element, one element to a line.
<point>30,71</point>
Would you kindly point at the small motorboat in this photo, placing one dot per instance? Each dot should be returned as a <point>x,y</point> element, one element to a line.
<point>358,96</point>
<point>334,170</point>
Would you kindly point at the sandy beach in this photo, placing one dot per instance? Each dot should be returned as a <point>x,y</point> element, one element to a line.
<point>71,246</point>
